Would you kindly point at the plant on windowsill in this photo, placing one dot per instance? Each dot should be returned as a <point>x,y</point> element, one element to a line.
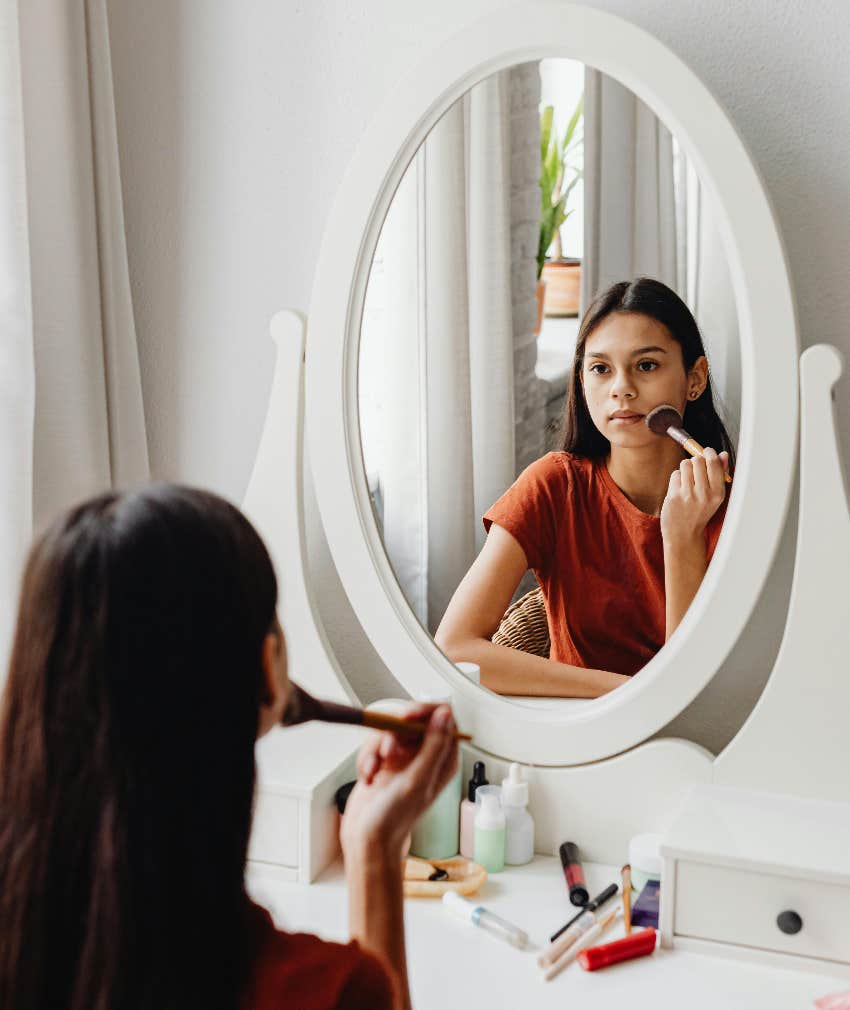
<point>558,277</point>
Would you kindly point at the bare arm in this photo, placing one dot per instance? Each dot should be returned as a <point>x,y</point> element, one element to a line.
<point>397,781</point>
<point>474,614</point>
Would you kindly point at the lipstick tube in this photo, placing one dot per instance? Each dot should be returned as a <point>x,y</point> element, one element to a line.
<point>637,945</point>
<point>574,874</point>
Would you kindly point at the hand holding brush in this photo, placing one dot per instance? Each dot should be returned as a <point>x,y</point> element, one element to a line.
<point>666,420</point>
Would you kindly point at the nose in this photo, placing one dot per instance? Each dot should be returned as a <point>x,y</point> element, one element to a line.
<point>622,387</point>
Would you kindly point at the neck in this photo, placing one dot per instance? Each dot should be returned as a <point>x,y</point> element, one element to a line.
<point>643,474</point>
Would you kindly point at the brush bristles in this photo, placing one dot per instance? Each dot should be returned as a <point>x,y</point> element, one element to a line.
<point>662,418</point>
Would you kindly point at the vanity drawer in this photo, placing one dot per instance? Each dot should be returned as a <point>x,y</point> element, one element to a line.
<point>275,830</point>
<point>741,906</point>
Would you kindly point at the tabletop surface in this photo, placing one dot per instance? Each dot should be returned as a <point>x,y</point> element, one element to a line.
<point>454,964</point>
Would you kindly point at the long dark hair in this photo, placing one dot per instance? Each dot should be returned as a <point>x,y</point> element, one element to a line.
<point>654,299</point>
<point>127,755</point>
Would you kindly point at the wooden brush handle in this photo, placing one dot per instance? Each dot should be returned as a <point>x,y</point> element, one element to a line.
<point>411,730</point>
<point>695,449</point>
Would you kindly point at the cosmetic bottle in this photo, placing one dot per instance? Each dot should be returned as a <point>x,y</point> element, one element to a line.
<point>436,833</point>
<point>489,849</point>
<point>519,826</point>
<point>467,811</point>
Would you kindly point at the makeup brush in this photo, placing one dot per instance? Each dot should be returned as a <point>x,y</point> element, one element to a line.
<point>666,420</point>
<point>303,707</point>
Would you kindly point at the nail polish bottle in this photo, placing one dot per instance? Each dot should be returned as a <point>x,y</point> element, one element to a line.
<point>467,811</point>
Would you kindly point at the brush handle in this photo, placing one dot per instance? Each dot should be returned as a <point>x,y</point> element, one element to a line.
<point>411,730</point>
<point>690,445</point>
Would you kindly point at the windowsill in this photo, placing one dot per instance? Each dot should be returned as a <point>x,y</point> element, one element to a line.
<point>555,348</point>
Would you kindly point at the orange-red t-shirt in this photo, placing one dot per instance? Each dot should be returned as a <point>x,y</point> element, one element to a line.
<point>598,558</point>
<point>298,970</point>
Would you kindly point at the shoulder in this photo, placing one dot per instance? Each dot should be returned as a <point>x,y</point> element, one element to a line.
<point>299,969</point>
<point>558,468</point>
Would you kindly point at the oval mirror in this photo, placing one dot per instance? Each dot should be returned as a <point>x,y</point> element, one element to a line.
<point>424,317</point>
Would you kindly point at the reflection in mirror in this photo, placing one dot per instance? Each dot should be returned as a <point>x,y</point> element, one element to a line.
<point>481,396</point>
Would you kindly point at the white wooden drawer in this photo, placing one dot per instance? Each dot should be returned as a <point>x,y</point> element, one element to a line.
<point>275,831</point>
<point>740,906</point>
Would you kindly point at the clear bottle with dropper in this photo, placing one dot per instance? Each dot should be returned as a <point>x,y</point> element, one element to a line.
<point>467,811</point>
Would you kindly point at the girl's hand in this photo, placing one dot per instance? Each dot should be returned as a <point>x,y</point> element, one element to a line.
<point>397,780</point>
<point>696,491</point>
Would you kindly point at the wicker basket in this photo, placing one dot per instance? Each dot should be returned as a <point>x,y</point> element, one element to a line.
<point>525,626</point>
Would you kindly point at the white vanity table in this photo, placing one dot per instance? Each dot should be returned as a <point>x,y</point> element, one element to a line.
<point>453,965</point>
<point>596,772</point>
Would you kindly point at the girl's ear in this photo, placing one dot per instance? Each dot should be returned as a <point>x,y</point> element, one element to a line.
<point>698,377</point>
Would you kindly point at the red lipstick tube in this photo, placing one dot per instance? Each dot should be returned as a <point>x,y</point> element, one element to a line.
<point>637,945</point>
<point>574,874</point>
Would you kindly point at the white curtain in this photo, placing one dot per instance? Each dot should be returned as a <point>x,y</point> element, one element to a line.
<point>647,214</point>
<point>68,330</point>
<point>446,361</point>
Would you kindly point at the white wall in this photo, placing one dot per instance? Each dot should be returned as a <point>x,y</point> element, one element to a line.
<point>236,122</point>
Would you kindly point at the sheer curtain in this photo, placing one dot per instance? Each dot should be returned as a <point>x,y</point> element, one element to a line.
<point>443,373</point>
<point>648,214</point>
<point>68,333</point>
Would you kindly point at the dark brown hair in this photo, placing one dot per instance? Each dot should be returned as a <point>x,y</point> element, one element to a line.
<point>127,755</point>
<point>654,299</point>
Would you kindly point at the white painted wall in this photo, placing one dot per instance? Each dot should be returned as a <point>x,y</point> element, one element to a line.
<point>236,122</point>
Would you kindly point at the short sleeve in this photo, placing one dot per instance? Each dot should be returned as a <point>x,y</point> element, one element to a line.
<point>531,507</point>
<point>368,985</point>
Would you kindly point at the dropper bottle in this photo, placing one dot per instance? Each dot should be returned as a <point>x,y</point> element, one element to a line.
<point>519,827</point>
<point>467,811</point>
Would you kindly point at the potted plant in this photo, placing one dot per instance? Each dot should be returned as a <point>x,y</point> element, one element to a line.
<point>558,277</point>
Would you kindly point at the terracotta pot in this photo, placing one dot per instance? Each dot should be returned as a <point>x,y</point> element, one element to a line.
<point>541,296</point>
<point>563,284</point>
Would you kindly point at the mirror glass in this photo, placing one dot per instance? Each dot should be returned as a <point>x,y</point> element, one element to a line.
<point>536,192</point>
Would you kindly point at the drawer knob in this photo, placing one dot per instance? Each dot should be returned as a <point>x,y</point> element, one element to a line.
<point>789,922</point>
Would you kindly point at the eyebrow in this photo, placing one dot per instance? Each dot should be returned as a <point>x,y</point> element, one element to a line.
<point>640,350</point>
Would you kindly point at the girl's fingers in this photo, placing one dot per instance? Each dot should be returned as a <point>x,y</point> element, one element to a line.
<point>423,773</point>
<point>686,474</point>
<point>369,758</point>
<point>714,469</point>
<point>699,469</point>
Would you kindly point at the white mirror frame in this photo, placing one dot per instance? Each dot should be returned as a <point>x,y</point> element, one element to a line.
<point>769,355</point>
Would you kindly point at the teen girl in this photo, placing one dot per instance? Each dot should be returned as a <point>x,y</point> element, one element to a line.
<point>147,659</point>
<point>620,526</point>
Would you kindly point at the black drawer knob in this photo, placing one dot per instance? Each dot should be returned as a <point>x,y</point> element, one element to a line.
<point>789,922</point>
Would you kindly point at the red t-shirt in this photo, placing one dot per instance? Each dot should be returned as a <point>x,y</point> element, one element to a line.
<point>598,558</point>
<point>298,971</point>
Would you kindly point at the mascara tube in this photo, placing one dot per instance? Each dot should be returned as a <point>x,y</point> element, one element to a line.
<point>486,920</point>
<point>574,874</point>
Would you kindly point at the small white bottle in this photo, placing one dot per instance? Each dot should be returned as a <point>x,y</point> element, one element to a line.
<point>489,829</point>
<point>519,825</point>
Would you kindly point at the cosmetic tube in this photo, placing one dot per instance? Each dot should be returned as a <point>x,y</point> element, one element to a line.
<point>486,920</point>
<point>589,938</point>
<point>574,874</point>
<point>582,924</point>
<point>591,906</point>
<point>637,945</point>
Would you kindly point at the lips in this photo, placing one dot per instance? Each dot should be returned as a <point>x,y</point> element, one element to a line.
<point>626,415</point>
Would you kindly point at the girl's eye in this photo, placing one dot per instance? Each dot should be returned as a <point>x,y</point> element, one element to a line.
<point>647,366</point>
<point>597,368</point>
